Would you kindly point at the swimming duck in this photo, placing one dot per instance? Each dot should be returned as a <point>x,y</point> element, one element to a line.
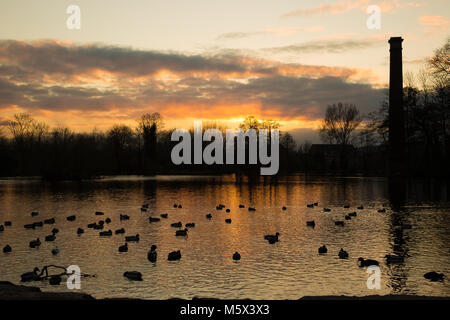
<point>241,206</point>
<point>55,250</point>
<point>35,243</point>
<point>133,275</point>
<point>175,205</point>
<point>272,238</point>
<point>174,255</point>
<point>106,233</point>
<point>218,208</point>
<point>34,213</point>
<point>347,217</point>
<point>346,206</point>
<point>50,237</point>
<point>91,225</point>
<point>310,223</point>
<point>99,213</point>
<point>2,228</point>
<point>30,226</point>
<point>124,217</point>
<point>120,231</point>
<point>49,221</point>
<point>367,262</point>
<point>7,249</point>
<point>144,209</point>
<point>209,216</point>
<point>152,255</point>
<point>181,233</point>
<point>164,215</point>
<point>38,224</point>
<point>123,248</point>
<point>152,219</point>
<point>8,223</point>
<point>132,238</point>
<point>98,226</point>
<point>326,209</point>
<point>190,225</point>
<point>71,218</point>
<point>361,207</point>
<point>251,209</point>
<point>177,224</point>
<point>382,210</point>
<point>310,205</point>
<point>31,276</point>
<point>108,220</point>
<point>315,204</point>
<point>352,214</point>
<point>80,231</point>
<point>236,256</point>
<point>434,276</point>
<point>55,280</point>
<point>342,254</point>
<point>284,208</point>
<point>339,223</point>
<point>228,220</point>
<point>179,206</point>
<point>227,211</point>
<point>323,249</point>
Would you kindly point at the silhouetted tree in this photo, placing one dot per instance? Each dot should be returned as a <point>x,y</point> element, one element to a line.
<point>340,122</point>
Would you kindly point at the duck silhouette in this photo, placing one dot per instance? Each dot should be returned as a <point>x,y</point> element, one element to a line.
<point>190,225</point>
<point>123,248</point>
<point>7,249</point>
<point>120,231</point>
<point>164,215</point>
<point>310,223</point>
<point>434,276</point>
<point>174,255</point>
<point>80,231</point>
<point>236,256</point>
<point>124,217</point>
<point>132,238</point>
<point>50,237</point>
<point>342,254</point>
<point>35,243</point>
<point>228,220</point>
<point>181,233</point>
<point>367,262</point>
<point>152,255</point>
<point>177,224</point>
<point>323,249</point>
<point>106,233</point>
<point>152,219</point>
<point>71,218</point>
<point>133,275</point>
<point>209,216</point>
<point>55,250</point>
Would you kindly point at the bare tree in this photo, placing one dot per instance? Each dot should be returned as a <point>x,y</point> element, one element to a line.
<point>440,64</point>
<point>339,123</point>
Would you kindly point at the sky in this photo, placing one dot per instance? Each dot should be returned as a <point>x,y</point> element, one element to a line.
<point>212,60</point>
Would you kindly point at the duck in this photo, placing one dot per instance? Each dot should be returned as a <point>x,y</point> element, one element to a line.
<point>228,220</point>
<point>177,224</point>
<point>382,210</point>
<point>38,224</point>
<point>323,249</point>
<point>434,276</point>
<point>347,217</point>
<point>181,233</point>
<point>315,204</point>
<point>31,276</point>
<point>55,250</point>
<point>143,209</point>
<point>284,208</point>
<point>35,243</point>
<point>219,208</point>
<point>92,225</point>
<point>251,209</point>
<point>50,237</point>
<point>7,249</point>
<point>346,206</point>
<point>164,215</point>
<point>29,226</point>
<point>310,223</point>
<point>124,217</point>
<point>132,238</point>
<point>98,226</point>
<point>108,220</point>
<point>106,233</point>
<point>34,213</point>
<point>394,259</point>
<point>190,225</point>
<point>241,206</point>
<point>152,219</point>
<point>208,216</point>
<point>80,231</point>
<point>272,238</point>
<point>361,207</point>
<point>175,205</point>
<point>367,262</point>
<point>326,209</point>
<point>152,255</point>
<point>133,275</point>
<point>123,248</point>
<point>55,231</point>
<point>174,255</point>
<point>49,221</point>
<point>8,223</point>
<point>55,280</point>
<point>99,213</point>
<point>339,223</point>
<point>180,206</point>
<point>71,218</point>
<point>228,211</point>
<point>120,231</point>
<point>2,228</point>
<point>342,254</point>
<point>310,205</point>
<point>352,214</point>
<point>236,256</point>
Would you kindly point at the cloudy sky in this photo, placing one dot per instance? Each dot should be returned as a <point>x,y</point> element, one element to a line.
<point>205,59</point>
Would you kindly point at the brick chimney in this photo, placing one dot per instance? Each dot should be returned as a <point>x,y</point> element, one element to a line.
<point>396,113</point>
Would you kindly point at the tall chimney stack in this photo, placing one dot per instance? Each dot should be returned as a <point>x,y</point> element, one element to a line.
<point>396,113</point>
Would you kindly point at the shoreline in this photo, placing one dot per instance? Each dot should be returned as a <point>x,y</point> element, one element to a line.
<point>10,291</point>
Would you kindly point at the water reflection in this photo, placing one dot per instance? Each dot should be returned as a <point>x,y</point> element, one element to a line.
<point>288,269</point>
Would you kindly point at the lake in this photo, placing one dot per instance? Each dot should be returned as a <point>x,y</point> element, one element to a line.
<point>288,269</point>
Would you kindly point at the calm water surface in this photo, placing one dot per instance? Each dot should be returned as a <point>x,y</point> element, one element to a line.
<point>289,269</point>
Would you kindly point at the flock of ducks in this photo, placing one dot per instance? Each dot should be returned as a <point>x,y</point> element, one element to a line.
<point>152,254</point>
